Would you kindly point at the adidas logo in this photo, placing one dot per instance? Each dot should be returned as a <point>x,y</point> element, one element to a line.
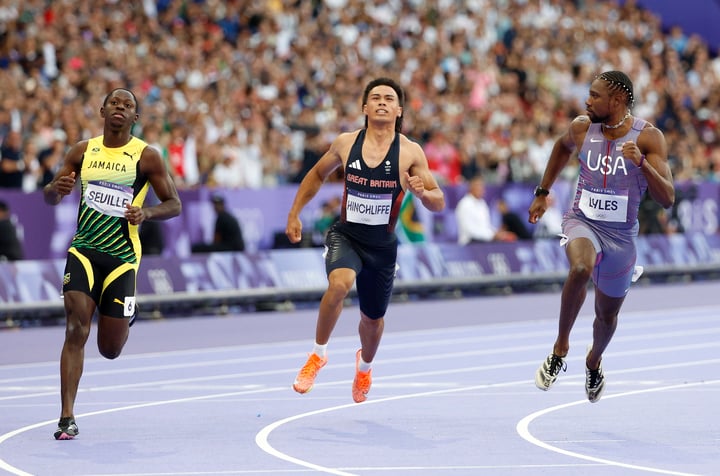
<point>355,165</point>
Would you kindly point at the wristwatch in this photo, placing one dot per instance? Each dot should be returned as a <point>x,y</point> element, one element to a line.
<point>541,192</point>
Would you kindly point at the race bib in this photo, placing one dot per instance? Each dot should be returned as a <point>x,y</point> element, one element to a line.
<point>108,198</point>
<point>129,306</point>
<point>602,205</point>
<point>368,208</point>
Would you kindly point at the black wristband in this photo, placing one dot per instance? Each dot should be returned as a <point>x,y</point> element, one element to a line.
<point>541,192</point>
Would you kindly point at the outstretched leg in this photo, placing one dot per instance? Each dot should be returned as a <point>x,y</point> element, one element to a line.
<point>79,309</point>
<point>582,258</point>
<point>606,318</point>
<point>112,335</point>
<point>370,331</point>
<point>340,282</point>
<point>604,325</point>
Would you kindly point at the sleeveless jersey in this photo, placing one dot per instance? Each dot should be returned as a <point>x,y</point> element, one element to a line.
<point>609,188</point>
<point>372,196</point>
<point>109,180</point>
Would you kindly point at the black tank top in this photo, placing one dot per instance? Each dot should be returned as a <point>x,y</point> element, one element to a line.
<point>372,197</point>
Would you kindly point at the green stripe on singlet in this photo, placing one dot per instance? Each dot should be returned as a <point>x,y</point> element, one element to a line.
<point>103,233</point>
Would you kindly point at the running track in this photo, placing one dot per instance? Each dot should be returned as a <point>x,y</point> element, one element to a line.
<point>453,394</point>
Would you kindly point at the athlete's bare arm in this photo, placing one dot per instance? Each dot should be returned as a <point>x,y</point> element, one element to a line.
<point>417,177</point>
<point>332,159</point>
<point>153,166</point>
<point>564,146</point>
<point>64,181</point>
<point>655,167</point>
<point>559,158</point>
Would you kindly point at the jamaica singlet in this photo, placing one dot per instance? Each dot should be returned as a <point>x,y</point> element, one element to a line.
<point>110,179</point>
<point>372,197</point>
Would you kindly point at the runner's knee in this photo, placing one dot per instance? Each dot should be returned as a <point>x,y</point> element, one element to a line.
<point>580,271</point>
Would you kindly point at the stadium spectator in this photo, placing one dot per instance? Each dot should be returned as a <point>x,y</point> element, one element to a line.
<point>511,222</point>
<point>12,164</point>
<point>227,234</point>
<point>474,220</point>
<point>492,64</point>
<point>498,77</point>
<point>11,248</point>
<point>51,157</point>
<point>443,158</point>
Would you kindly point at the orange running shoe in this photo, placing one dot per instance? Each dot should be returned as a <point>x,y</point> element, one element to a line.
<point>306,377</point>
<point>362,382</point>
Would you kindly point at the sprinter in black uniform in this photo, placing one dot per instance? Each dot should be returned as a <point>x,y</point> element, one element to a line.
<point>115,171</point>
<point>380,165</point>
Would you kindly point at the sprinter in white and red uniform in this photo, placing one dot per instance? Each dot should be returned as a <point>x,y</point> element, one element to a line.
<point>380,166</point>
<point>621,157</point>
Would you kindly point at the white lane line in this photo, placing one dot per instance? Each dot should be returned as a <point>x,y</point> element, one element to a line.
<point>261,439</point>
<point>13,470</point>
<point>138,357</point>
<point>444,355</point>
<point>388,362</point>
<point>523,430</point>
<point>631,320</point>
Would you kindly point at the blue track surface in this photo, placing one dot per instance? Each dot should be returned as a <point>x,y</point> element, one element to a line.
<point>453,394</point>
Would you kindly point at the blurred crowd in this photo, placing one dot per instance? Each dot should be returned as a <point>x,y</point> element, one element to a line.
<point>249,93</point>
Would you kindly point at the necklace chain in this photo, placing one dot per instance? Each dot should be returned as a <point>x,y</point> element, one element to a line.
<point>622,121</point>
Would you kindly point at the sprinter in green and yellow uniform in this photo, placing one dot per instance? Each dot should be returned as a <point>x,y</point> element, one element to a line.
<point>115,171</point>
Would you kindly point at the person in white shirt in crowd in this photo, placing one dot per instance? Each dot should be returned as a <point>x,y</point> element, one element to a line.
<point>474,222</point>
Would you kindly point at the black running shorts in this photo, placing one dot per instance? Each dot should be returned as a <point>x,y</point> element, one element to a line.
<point>375,269</point>
<point>109,281</point>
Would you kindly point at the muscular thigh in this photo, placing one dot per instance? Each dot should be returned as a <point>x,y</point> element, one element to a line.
<point>615,259</point>
<point>375,269</point>
<point>340,253</point>
<point>613,273</point>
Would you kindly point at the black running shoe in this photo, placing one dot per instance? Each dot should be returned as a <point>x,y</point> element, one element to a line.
<point>594,383</point>
<point>548,372</point>
<point>67,429</point>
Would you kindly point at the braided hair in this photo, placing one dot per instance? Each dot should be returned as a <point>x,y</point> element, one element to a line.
<point>618,82</point>
<point>398,90</point>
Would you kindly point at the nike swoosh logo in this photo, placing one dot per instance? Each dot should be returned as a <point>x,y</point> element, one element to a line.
<point>118,301</point>
<point>595,140</point>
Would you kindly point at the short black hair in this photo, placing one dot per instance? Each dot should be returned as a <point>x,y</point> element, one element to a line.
<point>137,103</point>
<point>398,90</point>
<point>619,82</point>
